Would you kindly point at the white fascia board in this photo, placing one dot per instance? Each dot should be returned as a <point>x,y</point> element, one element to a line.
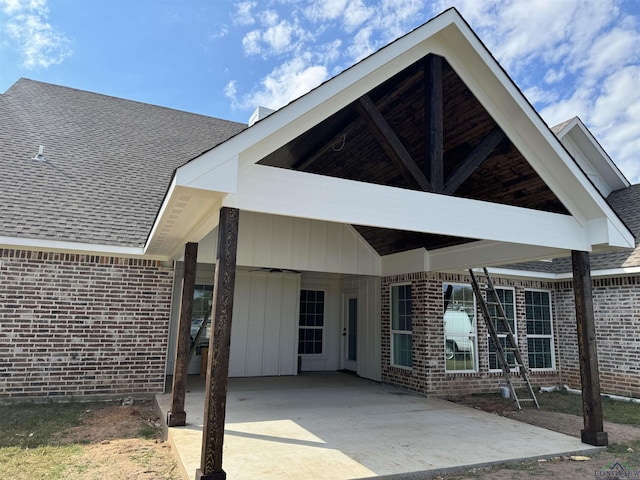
<point>524,127</point>
<point>168,198</point>
<point>286,192</point>
<point>210,171</point>
<point>603,232</point>
<point>485,253</point>
<point>40,245</point>
<point>400,263</point>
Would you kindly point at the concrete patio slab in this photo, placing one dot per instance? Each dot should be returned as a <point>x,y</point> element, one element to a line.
<point>336,426</point>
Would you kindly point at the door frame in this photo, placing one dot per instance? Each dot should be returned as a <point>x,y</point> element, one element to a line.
<point>345,363</point>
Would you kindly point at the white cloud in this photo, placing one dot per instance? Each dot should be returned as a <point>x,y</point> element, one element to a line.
<point>325,9</point>
<point>294,36</point>
<point>284,84</point>
<point>269,17</point>
<point>279,37</point>
<point>536,94</point>
<point>243,14</point>
<point>361,45</point>
<point>554,76</point>
<point>275,36</point>
<point>40,44</point>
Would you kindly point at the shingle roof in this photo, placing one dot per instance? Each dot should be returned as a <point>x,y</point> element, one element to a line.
<point>109,162</point>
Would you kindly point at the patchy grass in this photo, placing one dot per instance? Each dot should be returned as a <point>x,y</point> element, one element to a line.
<point>51,462</point>
<point>61,441</point>
<point>30,425</point>
<point>616,411</point>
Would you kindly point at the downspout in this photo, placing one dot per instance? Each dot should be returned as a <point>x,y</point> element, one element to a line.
<point>604,395</point>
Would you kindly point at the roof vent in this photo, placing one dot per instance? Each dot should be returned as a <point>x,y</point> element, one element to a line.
<point>259,113</point>
<point>40,155</point>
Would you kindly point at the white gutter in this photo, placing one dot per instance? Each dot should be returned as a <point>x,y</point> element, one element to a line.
<point>608,272</point>
<point>74,247</point>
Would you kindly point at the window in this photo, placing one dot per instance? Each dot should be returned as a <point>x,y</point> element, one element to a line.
<point>506,297</point>
<point>311,323</point>
<point>539,329</point>
<point>459,328</point>
<point>401,326</point>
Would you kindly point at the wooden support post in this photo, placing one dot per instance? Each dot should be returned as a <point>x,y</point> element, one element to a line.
<point>434,122</point>
<point>177,416</point>
<point>593,432</point>
<point>219,345</point>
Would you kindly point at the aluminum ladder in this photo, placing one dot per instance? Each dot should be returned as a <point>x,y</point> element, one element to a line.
<point>491,299</point>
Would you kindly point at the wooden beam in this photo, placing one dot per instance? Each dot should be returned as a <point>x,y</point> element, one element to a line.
<point>391,144</point>
<point>177,416</point>
<point>473,160</point>
<point>593,432</point>
<point>219,346</point>
<point>434,122</point>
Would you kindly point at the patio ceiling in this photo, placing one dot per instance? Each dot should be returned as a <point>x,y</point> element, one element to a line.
<point>383,138</point>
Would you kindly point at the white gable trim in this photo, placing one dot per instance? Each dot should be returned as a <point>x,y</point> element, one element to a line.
<point>584,147</point>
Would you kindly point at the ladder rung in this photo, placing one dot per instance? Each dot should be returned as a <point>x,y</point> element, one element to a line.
<point>492,325</point>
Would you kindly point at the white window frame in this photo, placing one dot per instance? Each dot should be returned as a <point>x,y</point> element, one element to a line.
<point>315,327</point>
<point>475,328</point>
<point>504,335</point>
<point>399,332</point>
<point>549,336</point>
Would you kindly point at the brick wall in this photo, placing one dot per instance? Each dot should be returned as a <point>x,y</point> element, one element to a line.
<point>81,325</point>
<point>616,303</point>
<point>428,375</point>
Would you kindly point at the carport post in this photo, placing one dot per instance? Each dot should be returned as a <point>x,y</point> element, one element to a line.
<point>593,432</point>
<point>177,417</point>
<point>219,344</point>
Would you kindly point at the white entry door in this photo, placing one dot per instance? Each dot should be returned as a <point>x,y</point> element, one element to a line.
<point>350,334</point>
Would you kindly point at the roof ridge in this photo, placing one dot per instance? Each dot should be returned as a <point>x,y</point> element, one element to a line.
<point>23,80</point>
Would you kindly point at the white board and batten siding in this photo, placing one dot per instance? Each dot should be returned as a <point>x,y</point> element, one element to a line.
<point>264,329</point>
<point>273,241</point>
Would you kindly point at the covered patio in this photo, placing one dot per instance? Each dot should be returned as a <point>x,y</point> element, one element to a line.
<point>338,426</point>
<point>422,158</point>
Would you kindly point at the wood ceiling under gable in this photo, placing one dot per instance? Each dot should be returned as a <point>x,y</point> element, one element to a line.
<point>390,135</point>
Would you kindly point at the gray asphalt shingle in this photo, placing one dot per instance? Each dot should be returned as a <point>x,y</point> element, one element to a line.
<point>109,162</point>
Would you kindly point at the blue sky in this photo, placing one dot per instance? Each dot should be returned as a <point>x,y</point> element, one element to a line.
<point>223,58</point>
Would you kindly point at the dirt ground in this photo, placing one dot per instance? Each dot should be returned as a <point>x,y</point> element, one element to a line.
<point>124,443</point>
<point>565,468</point>
<point>117,452</point>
